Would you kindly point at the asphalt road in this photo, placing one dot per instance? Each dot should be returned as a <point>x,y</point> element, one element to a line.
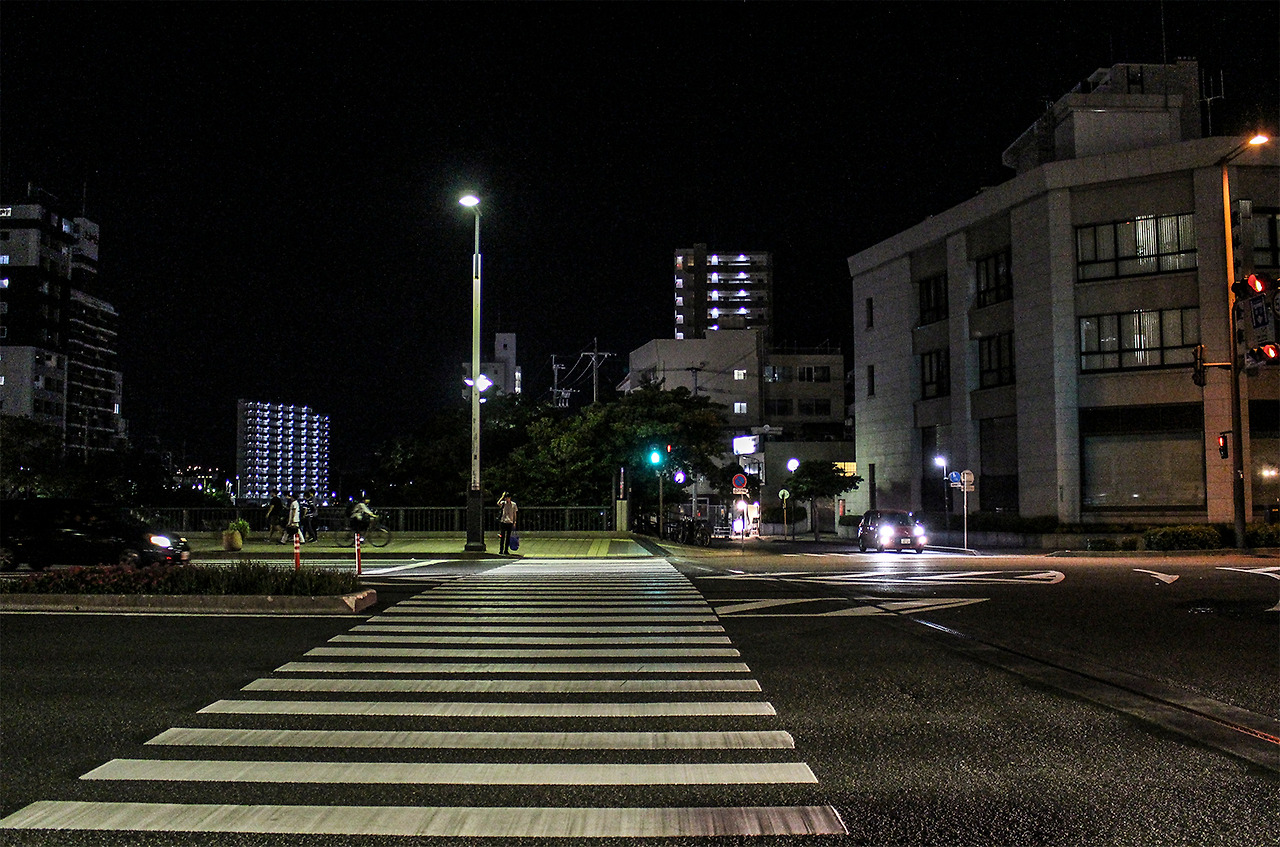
<point>935,700</point>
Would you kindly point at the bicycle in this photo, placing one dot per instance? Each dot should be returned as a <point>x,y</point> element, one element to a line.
<point>374,536</point>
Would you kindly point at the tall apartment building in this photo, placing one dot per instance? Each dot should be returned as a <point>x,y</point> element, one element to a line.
<point>280,448</point>
<point>59,337</point>
<point>1042,333</point>
<point>715,291</point>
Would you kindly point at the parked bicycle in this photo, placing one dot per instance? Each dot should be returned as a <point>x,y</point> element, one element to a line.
<point>374,536</point>
<point>689,531</point>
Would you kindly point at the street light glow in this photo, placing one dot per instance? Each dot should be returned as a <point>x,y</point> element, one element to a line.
<point>1260,138</point>
<point>940,461</point>
<point>470,200</point>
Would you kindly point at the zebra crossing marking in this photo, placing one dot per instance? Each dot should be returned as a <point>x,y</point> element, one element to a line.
<point>505,686</point>
<point>503,822</point>
<point>598,611</point>
<point>468,709</point>
<point>453,773</point>
<point>378,739</point>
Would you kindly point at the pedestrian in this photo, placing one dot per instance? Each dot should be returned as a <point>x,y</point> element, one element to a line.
<point>506,521</point>
<point>294,528</point>
<point>308,504</point>
<point>275,517</point>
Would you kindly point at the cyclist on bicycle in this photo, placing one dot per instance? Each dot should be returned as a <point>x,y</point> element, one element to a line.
<point>362,516</point>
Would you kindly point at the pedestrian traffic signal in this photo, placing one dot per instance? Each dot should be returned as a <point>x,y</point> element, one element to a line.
<point>1257,319</point>
<point>1224,440</point>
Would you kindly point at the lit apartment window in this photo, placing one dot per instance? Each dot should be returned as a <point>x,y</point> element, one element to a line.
<point>739,408</point>
<point>1147,244</point>
<point>740,373</point>
<point>1139,339</point>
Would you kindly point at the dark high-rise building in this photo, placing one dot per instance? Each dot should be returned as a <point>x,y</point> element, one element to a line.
<point>716,291</point>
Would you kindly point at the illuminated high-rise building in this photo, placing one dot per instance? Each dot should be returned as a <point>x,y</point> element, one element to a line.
<point>280,448</point>
<point>716,291</point>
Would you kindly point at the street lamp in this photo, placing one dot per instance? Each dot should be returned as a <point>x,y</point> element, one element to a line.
<point>1237,427</point>
<point>475,500</point>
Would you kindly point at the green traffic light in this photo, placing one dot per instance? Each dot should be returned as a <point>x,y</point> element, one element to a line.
<point>655,458</point>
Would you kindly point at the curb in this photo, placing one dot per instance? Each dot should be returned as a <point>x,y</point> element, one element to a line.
<point>346,604</point>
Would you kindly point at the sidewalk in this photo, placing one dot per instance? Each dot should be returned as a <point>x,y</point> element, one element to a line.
<point>207,547</point>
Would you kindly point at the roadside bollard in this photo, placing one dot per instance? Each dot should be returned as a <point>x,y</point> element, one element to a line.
<point>357,554</point>
<point>297,551</point>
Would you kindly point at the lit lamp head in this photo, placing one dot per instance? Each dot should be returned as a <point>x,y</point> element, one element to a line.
<point>940,461</point>
<point>792,464</point>
<point>469,200</point>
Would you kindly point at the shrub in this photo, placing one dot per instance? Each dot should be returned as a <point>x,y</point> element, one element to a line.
<point>1129,543</point>
<point>850,520</point>
<point>1262,535</point>
<point>1100,544</point>
<point>241,526</point>
<point>244,577</point>
<point>1188,537</point>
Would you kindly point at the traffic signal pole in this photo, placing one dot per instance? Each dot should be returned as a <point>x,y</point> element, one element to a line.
<point>1233,354</point>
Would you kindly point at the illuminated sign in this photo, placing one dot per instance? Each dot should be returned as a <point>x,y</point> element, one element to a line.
<point>745,445</point>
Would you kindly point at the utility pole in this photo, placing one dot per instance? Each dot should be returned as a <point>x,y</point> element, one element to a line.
<point>560,398</point>
<point>596,356</point>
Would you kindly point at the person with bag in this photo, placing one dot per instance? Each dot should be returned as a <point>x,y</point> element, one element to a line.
<point>507,524</point>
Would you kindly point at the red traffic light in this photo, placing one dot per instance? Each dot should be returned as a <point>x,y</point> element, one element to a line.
<point>1270,352</point>
<point>1260,283</point>
<point>1223,441</point>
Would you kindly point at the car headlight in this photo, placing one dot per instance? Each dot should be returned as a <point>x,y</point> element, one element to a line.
<point>886,532</point>
<point>918,530</point>
<point>160,540</point>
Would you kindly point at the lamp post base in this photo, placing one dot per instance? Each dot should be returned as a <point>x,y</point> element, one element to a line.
<point>475,522</point>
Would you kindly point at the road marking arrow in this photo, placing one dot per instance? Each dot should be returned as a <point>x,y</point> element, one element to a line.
<point>1163,577</point>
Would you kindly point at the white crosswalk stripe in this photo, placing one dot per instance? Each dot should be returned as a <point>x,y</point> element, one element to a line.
<point>582,675</point>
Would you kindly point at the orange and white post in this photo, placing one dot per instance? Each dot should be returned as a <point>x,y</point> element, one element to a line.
<point>297,551</point>
<point>358,540</point>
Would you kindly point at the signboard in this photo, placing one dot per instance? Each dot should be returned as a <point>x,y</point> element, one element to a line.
<point>739,480</point>
<point>745,445</point>
<point>784,493</point>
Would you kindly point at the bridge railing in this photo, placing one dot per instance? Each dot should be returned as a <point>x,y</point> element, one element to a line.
<point>408,519</point>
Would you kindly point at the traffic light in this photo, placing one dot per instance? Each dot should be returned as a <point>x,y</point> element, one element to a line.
<point>1241,245</point>
<point>655,456</point>
<point>1224,440</point>
<point>1198,375</point>
<point>1256,318</point>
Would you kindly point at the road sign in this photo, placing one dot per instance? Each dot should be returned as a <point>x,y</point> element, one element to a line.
<point>784,493</point>
<point>954,476</point>
<point>966,477</point>
<point>739,480</point>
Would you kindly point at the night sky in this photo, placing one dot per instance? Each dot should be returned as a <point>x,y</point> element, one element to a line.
<point>277,183</point>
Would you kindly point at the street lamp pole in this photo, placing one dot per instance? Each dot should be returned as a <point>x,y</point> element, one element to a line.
<point>941,461</point>
<point>475,499</point>
<point>1237,426</point>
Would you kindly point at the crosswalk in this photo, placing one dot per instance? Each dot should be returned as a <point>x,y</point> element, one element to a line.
<point>546,698</point>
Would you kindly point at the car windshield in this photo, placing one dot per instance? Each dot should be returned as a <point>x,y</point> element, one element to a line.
<point>902,519</point>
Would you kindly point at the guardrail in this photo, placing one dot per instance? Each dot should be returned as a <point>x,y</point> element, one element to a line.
<point>410,519</point>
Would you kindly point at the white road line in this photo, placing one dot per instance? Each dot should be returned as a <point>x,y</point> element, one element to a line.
<point>400,626</point>
<point>486,710</point>
<point>532,639</point>
<point>438,617</point>
<point>505,686</point>
<point>514,667</point>
<point>455,773</point>
<point>208,737</point>
<point>455,822</point>
<point>544,652</point>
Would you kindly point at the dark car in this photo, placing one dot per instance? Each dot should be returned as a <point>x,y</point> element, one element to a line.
<point>891,529</point>
<point>55,531</point>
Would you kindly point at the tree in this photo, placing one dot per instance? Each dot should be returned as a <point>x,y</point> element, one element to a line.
<point>814,479</point>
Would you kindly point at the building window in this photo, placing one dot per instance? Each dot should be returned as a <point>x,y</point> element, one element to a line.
<point>814,406</point>
<point>1266,238</point>
<point>995,360</point>
<point>995,281</point>
<point>871,380</point>
<point>813,373</point>
<point>1147,244</point>
<point>739,408</point>
<point>778,373</point>
<point>780,407</point>
<point>1139,339</point>
<point>871,313</point>
<point>933,299</point>
<point>935,374</point>
<point>740,373</point>
<point>1142,457</point>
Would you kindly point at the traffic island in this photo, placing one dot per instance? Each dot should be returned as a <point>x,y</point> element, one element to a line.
<point>344,604</point>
